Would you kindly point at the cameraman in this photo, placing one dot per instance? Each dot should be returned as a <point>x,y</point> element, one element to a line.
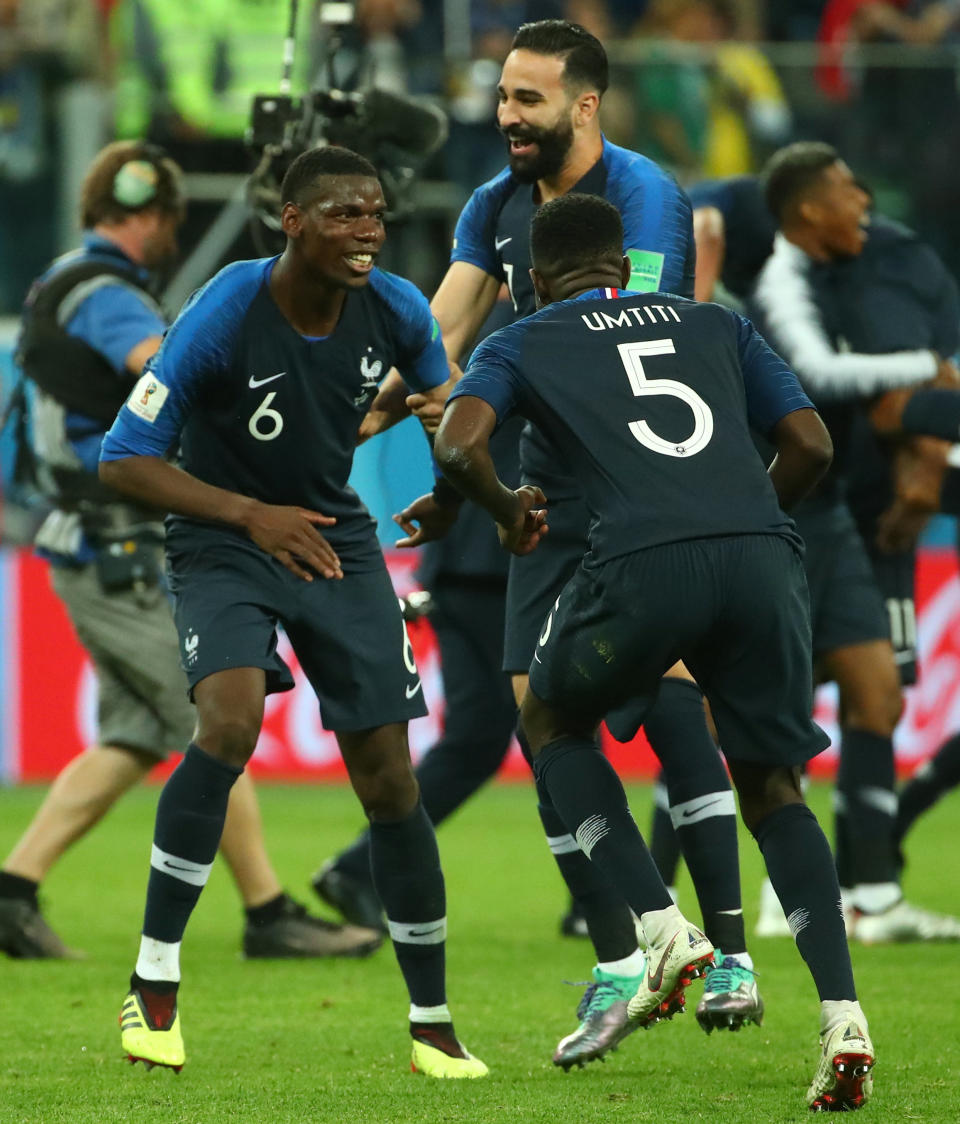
<point>89,325</point>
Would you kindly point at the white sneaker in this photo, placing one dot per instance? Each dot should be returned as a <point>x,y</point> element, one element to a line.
<point>905,922</point>
<point>844,1079</point>
<point>671,966</point>
<point>772,921</point>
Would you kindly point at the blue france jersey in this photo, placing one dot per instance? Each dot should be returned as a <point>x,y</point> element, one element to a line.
<point>261,410</point>
<point>648,400</point>
<point>493,233</point>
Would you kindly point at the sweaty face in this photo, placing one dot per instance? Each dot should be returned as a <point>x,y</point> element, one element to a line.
<point>840,211</point>
<point>341,229</point>
<point>534,114</point>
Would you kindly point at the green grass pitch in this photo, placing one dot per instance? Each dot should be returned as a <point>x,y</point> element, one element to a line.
<point>326,1041</point>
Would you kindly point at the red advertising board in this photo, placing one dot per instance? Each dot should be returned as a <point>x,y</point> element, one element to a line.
<point>54,689</point>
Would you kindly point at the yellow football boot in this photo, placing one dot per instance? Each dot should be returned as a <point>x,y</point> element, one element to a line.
<point>144,1042</point>
<point>435,1060</point>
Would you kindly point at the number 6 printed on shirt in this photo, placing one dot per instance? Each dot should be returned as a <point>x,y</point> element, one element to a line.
<point>263,413</point>
<point>631,355</point>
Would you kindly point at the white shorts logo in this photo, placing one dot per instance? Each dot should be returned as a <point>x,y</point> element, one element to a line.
<point>148,398</point>
<point>190,645</point>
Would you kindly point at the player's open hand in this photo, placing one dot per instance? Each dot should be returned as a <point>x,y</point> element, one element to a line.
<point>524,535</point>
<point>425,520</point>
<point>290,534</point>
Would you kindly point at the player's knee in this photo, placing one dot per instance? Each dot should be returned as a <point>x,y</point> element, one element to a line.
<point>877,710</point>
<point>388,793</point>
<point>763,789</point>
<point>231,738</point>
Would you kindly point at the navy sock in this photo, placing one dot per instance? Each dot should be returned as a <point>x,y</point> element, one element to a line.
<point>865,784</point>
<point>702,808</point>
<point>15,886</point>
<point>802,871</point>
<point>267,913</point>
<point>589,798</point>
<point>664,845</point>
<point>607,916</point>
<point>932,780</point>
<point>190,815</point>
<point>408,879</point>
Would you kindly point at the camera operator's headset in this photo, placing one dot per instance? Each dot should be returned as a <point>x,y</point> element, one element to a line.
<point>137,182</point>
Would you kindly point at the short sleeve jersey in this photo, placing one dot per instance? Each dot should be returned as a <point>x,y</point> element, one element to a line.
<point>493,233</point>
<point>261,410</point>
<point>649,400</point>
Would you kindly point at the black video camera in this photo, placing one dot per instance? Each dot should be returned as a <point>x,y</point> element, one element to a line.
<point>395,132</point>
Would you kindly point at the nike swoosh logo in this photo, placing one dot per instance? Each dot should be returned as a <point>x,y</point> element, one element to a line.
<point>173,866</point>
<point>411,691</point>
<point>501,242</point>
<point>425,932</point>
<point>688,812</point>
<point>655,982</point>
<point>254,383</point>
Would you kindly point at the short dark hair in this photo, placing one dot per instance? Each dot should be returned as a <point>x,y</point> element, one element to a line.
<point>573,230</point>
<point>328,160</point>
<point>792,171</point>
<point>585,60</point>
<point>150,180</point>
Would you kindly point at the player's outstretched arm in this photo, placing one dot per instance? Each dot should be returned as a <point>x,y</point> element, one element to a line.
<point>462,449</point>
<point>804,453</point>
<point>288,533</point>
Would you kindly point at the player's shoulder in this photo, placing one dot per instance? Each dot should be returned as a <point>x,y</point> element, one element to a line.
<point>212,316</point>
<point>495,191</point>
<point>506,342</point>
<point>396,292</point>
<point>235,285</point>
<point>629,171</point>
<point>407,310</point>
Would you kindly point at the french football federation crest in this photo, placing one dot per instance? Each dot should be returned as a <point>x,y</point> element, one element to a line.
<point>371,379</point>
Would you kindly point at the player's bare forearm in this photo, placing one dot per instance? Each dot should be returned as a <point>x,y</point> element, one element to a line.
<point>156,482</point>
<point>461,304</point>
<point>471,470</point>
<point>388,408</point>
<point>804,453</point>
<point>287,533</point>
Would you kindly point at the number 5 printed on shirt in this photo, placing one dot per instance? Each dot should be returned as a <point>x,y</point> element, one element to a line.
<point>632,356</point>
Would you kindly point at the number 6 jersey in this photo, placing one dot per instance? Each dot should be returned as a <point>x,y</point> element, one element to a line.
<point>260,409</point>
<point>648,400</point>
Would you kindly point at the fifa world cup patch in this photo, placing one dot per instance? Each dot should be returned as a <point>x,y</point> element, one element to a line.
<point>646,269</point>
<point>148,398</point>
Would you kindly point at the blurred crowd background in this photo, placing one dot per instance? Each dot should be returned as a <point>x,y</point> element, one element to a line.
<point>707,87</point>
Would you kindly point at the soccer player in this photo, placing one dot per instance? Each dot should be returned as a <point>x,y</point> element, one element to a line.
<point>549,95</point>
<point>833,278</point>
<point>263,379</point>
<point>89,326</point>
<point>648,397</point>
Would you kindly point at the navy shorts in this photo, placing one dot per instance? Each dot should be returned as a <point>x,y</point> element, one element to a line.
<point>845,604</point>
<point>894,574</point>
<point>734,609</point>
<point>349,636</point>
<point>536,579</point>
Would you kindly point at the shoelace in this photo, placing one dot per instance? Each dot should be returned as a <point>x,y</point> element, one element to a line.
<point>605,989</point>
<point>721,978</point>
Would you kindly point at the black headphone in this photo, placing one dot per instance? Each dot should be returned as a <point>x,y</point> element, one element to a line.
<point>138,180</point>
